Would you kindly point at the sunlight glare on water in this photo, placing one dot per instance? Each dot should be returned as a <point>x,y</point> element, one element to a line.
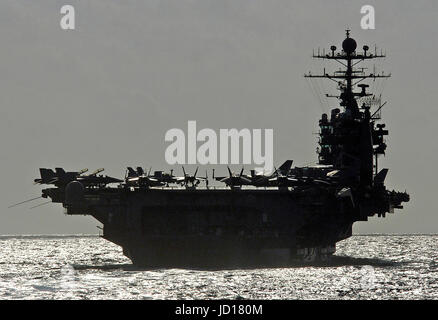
<point>88,267</point>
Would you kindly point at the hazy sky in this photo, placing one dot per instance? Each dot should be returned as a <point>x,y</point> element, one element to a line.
<point>104,94</point>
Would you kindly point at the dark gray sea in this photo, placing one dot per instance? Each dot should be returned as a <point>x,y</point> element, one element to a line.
<point>88,267</point>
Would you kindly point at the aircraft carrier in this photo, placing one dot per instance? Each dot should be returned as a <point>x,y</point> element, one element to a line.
<point>163,220</point>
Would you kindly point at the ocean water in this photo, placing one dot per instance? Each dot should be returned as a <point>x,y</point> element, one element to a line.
<point>88,267</point>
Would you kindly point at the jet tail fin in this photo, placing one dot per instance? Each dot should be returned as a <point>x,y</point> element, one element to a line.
<point>140,171</point>
<point>131,172</point>
<point>60,172</point>
<point>380,177</point>
<point>47,175</point>
<point>285,167</point>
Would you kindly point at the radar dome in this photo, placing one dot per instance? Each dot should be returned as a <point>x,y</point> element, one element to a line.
<point>349,45</point>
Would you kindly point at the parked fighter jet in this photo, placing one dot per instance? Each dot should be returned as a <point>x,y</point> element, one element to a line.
<point>93,179</point>
<point>137,178</point>
<point>233,180</point>
<point>260,180</point>
<point>190,181</point>
<point>165,177</point>
<point>60,178</point>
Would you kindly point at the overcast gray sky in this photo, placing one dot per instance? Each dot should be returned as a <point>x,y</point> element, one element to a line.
<point>104,94</point>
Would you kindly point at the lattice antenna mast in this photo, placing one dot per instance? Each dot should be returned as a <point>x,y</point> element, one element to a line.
<point>350,77</point>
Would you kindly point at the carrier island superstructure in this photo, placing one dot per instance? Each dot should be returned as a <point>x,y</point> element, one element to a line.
<point>163,220</point>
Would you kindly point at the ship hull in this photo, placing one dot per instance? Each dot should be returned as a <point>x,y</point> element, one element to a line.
<point>220,228</point>
<point>218,252</point>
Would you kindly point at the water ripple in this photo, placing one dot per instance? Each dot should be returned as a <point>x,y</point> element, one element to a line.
<point>88,267</point>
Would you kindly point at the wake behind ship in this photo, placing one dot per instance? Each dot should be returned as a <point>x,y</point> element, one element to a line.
<point>161,220</point>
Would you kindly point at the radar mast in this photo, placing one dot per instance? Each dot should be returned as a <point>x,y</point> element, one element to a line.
<point>349,78</point>
<point>350,139</point>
